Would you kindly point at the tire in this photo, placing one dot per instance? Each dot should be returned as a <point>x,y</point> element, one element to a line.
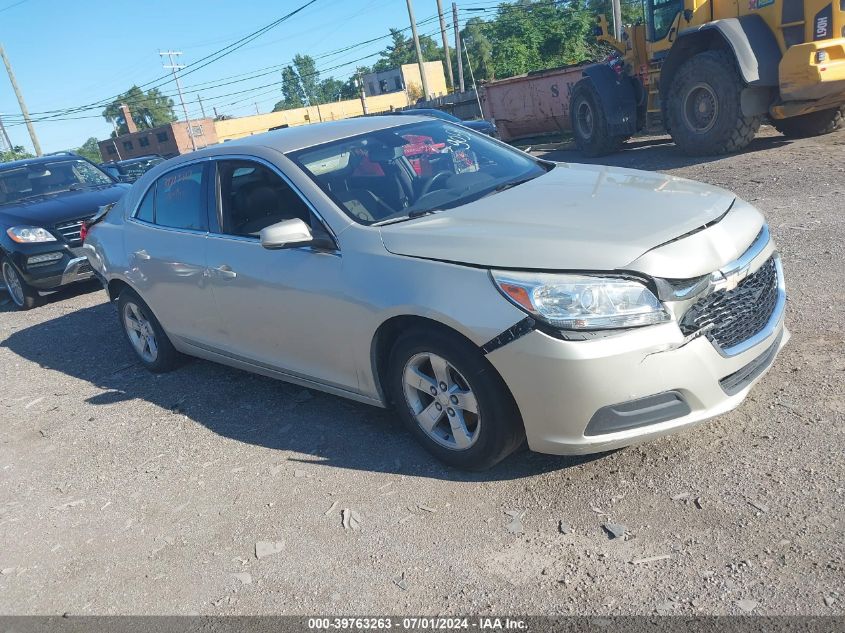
<point>24,296</point>
<point>589,123</point>
<point>812,124</point>
<point>158,357</point>
<point>476,399</point>
<point>703,108</point>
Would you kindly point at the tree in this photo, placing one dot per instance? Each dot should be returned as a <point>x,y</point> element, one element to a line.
<point>16,153</point>
<point>401,51</point>
<point>292,95</point>
<point>309,78</point>
<point>148,109</point>
<point>90,150</point>
<point>476,38</point>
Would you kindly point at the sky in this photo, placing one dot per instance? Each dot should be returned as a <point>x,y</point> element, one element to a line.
<point>69,54</point>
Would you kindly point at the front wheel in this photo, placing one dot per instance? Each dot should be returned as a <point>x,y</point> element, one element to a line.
<point>589,123</point>
<point>452,400</point>
<point>703,111</point>
<point>24,296</point>
<point>812,124</point>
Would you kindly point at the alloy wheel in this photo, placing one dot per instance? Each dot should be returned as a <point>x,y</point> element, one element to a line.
<point>441,401</point>
<point>13,284</point>
<point>140,331</point>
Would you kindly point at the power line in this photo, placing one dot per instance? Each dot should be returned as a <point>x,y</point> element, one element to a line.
<point>57,115</point>
<point>194,66</point>
<point>238,92</point>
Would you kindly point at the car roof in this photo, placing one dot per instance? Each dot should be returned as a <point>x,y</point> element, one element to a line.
<point>37,160</point>
<point>294,138</point>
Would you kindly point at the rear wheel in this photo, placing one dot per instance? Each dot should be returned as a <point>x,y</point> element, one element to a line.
<point>589,123</point>
<point>452,400</point>
<point>145,334</point>
<point>21,293</point>
<point>703,109</point>
<point>812,124</point>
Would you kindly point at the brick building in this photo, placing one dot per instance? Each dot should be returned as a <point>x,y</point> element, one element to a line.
<point>167,140</point>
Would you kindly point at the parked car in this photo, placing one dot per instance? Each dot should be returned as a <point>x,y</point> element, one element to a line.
<point>43,203</point>
<point>131,169</point>
<point>490,296</point>
<point>479,125</point>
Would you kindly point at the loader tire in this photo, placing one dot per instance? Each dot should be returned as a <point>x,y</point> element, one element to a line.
<point>589,123</point>
<point>812,124</point>
<point>703,108</point>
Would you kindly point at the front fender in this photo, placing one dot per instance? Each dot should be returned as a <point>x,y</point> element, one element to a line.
<point>619,97</point>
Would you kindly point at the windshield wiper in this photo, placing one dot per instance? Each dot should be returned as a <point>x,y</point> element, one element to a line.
<point>508,185</point>
<point>418,213</point>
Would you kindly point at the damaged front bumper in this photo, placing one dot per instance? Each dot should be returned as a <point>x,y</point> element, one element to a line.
<point>590,396</point>
<point>597,394</point>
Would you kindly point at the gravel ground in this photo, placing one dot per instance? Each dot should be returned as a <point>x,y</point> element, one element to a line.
<point>122,492</point>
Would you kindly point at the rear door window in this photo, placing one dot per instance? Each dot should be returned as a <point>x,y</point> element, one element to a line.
<point>177,200</point>
<point>180,199</point>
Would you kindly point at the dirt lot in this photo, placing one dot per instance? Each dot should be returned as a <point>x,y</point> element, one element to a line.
<point>121,492</point>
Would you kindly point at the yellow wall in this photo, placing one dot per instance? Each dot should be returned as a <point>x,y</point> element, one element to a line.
<point>259,123</point>
<point>434,75</point>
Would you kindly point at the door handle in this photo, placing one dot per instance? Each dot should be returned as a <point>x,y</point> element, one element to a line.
<point>142,254</point>
<point>224,272</point>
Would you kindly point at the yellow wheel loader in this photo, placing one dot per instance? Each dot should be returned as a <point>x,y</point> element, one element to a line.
<point>712,70</point>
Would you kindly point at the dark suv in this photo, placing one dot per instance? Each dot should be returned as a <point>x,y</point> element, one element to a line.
<point>43,203</point>
<point>131,169</point>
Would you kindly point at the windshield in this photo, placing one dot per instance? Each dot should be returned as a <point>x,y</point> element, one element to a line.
<point>410,170</point>
<point>40,179</point>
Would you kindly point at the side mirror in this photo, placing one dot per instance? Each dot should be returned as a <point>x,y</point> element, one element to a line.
<point>286,234</point>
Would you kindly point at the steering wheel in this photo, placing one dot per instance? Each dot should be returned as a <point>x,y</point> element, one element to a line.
<point>441,175</point>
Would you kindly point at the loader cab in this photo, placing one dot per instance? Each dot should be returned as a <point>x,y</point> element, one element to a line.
<point>661,18</point>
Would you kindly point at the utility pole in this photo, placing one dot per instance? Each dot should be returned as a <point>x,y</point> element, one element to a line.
<point>174,67</point>
<point>35,144</point>
<point>458,46</point>
<point>5,141</point>
<point>617,19</point>
<point>420,62</point>
<point>202,108</point>
<point>360,82</point>
<point>445,44</point>
<point>256,108</point>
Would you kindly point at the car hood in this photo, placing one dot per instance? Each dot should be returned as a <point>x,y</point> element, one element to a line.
<point>575,217</point>
<point>60,207</point>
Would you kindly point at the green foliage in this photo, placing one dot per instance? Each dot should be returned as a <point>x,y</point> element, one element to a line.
<point>301,86</point>
<point>149,109</point>
<point>401,51</point>
<point>16,153</point>
<point>309,78</point>
<point>531,35</point>
<point>521,37</point>
<point>90,150</point>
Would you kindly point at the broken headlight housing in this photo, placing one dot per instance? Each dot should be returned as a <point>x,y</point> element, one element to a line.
<point>582,302</point>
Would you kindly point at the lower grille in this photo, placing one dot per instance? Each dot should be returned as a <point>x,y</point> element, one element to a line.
<point>71,230</point>
<point>734,316</point>
<point>740,379</point>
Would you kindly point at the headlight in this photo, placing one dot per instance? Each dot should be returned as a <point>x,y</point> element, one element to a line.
<point>30,234</point>
<point>581,302</point>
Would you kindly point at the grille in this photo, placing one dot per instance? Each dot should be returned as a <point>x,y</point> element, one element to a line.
<point>70,230</point>
<point>738,314</point>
